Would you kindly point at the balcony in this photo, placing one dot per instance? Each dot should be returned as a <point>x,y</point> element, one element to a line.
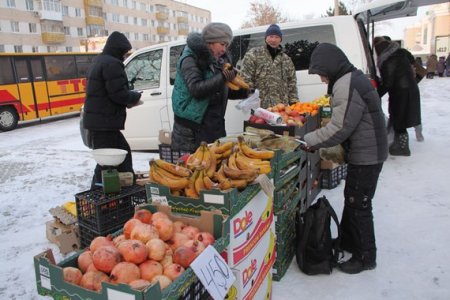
<point>53,37</point>
<point>182,20</point>
<point>96,3</point>
<point>162,30</point>
<point>94,20</point>
<point>50,15</point>
<point>183,32</point>
<point>162,16</point>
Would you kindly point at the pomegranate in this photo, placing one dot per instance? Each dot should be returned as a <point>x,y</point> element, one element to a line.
<point>129,226</point>
<point>84,260</point>
<point>173,271</point>
<point>196,246</point>
<point>139,284</point>
<point>99,242</point>
<point>158,215</point>
<point>178,226</point>
<point>178,239</point>
<point>205,237</point>
<point>124,272</point>
<point>164,281</point>
<point>92,280</point>
<point>119,239</point>
<point>184,256</point>
<point>166,261</point>
<point>143,215</point>
<point>91,268</point>
<point>133,251</point>
<point>156,249</point>
<point>72,275</point>
<point>144,233</point>
<point>150,269</point>
<point>105,258</point>
<point>190,231</point>
<point>164,227</point>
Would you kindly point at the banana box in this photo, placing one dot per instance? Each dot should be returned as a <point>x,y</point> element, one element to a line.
<point>264,292</point>
<point>252,272</point>
<point>248,227</point>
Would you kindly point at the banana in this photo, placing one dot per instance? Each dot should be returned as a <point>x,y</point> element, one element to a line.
<point>173,168</point>
<point>232,86</point>
<point>240,83</point>
<point>173,184</point>
<point>164,172</point>
<point>252,153</point>
<point>239,174</point>
<point>213,164</point>
<point>240,184</point>
<point>220,176</point>
<point>198,184</point>
<point>232,162</point>
<point>190,191</point>
<point>222,148</point>
<point>195,159</point>
<point>225,185</point>
<point>208,183</point>
<point>244,163</point>
<point>227,153</point>
<point>206,159</point>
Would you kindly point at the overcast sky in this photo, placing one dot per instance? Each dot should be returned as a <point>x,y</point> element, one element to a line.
<point>235,12</point>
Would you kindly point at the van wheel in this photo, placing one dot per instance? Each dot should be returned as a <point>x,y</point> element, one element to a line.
<point>8,118</point>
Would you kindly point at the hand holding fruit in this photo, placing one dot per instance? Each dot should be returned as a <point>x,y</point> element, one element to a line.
<point>229,75</point>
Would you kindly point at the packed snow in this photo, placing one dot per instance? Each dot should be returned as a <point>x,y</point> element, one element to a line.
<point>44,165</point>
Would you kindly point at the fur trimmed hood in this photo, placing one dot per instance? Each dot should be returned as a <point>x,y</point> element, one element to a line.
<point>386,53</point>
<point>198,46</point>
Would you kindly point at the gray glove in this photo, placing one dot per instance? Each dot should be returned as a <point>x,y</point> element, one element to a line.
<point>229,75</point>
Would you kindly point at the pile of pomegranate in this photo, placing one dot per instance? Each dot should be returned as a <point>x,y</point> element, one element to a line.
<point>151,249</point>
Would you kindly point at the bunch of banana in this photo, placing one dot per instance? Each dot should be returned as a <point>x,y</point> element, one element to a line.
<point>199,181</point>
<point>221,151</point>
<point>173,176</point>
<point>248,158</point>
<point>237,83</point>
<point>202,158</point>
<point>323,100</point>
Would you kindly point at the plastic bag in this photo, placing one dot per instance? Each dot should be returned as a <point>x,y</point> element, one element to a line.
<point>335,154</point>
<point>252,102</point>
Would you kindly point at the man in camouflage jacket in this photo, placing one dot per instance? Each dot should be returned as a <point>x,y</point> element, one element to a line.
<point>271,71</point>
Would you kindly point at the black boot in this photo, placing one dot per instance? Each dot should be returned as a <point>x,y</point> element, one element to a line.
<point>359,263</point>
<point>400,146</point>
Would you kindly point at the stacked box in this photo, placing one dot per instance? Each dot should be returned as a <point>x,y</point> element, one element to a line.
<point>166,153</point>
<point>100,214</point>
<point>332,177</point>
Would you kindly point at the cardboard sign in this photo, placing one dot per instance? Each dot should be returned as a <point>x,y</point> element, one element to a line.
<point>214,273</point>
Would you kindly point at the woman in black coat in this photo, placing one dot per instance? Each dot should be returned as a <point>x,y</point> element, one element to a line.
<point>398,80</point>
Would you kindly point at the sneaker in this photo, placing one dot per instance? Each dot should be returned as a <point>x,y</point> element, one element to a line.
<point>355,266</point>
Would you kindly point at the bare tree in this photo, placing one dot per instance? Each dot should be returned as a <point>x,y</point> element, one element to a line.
<point>263,13</point>
<point>341,11</point>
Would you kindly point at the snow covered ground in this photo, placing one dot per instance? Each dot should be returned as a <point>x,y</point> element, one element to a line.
<point>44,165</point>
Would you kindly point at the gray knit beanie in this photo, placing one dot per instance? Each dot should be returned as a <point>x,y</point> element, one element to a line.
<point>217,32</point>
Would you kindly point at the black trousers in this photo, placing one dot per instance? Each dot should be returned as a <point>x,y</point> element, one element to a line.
<point>357,227</point>
<point>111,139</point>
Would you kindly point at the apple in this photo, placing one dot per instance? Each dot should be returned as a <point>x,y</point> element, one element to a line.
<point>260,121</point>
<point>252,119</point>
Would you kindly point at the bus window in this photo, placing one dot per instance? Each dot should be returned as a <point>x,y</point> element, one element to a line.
<point>37,70</point>
<point>83,64</point>
<point>6,71</point>
<point>60,67</point>
<point>175,53</point>
<point>145,70</point>
<point>23,75</point>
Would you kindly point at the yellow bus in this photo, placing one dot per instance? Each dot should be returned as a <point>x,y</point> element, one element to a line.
<point>36,86</point>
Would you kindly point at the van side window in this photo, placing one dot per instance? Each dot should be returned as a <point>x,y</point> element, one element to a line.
<point>298,43</point>
<point>175,53</point>
<point>144,71</point>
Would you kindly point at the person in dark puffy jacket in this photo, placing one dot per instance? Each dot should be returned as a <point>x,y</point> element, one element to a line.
<point>399,81</point>
<point>358,124</point>
<point>200,94</point>
<point>107,98</point>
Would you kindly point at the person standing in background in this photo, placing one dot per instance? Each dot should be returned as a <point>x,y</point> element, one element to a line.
<point>431,66</point>
<point>358,124</point>
<point>200,94</point>
<point>441,66</point>
<point>107,97</point>
<point>447,64</point>
<point>270,70</point>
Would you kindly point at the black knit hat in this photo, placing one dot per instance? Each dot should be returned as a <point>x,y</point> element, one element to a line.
<point>274,29</point>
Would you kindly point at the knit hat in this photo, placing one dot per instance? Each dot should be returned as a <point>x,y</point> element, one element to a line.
<point>217,32</point>
<point>274,29</point>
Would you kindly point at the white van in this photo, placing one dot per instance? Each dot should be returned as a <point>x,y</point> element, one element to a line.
<point>152,69</point>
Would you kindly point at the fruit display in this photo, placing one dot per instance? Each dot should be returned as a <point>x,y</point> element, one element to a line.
<point>152,248</point>
<point>217,166</point>
<point>323,100</point>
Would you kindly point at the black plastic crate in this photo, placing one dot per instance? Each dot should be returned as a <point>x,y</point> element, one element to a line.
<point>166,153</point>
<point>102,213</point>
<point>332,177</point>
<point>87,234</point>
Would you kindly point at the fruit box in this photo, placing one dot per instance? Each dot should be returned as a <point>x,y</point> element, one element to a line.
<point>66,237</point>
<point>297,131</point>
<point>49,275</point>
<point>229,202</point>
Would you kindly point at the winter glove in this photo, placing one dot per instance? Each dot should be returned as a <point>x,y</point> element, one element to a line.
<point>304,146</point>
<point>229,75</point>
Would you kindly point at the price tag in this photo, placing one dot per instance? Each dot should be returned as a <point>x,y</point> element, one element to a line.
<point>266,184</point>
<point>213,272</point>
<point>160,200</point>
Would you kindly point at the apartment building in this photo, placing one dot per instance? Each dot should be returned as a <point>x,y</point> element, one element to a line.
<point>431,35</point>
<point>83,25</point>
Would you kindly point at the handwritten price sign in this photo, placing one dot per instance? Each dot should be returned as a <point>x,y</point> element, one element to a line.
<point>213,272</point>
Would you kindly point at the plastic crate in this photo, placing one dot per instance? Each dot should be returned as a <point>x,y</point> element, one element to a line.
<point>332,177</point>
<point>87,234</point>
<point>166,153</point>
<point>103,213</point>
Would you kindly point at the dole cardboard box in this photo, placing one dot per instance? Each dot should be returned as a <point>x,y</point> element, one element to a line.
<point>248,227</point>
<point>253,270</point>
<point>264,291</point>
<point>50,279</point>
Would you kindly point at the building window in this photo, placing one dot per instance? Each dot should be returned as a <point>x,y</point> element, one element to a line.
<point>80,31</point>
<point>144,22</point>
<point>143,6</point>
<point>78,12</point>
<point>135,21</point>
<point>115,2</point>
<point>18,49</point>
<point>29,4</point>
<point>66,30</point>
<point>14,26</point>
<point>52,5</point>
<point>125,19</point>
<point>125,3</point>
<point>127,34</point>
<point>69,49</point>
<point>10,3</point>
<point>35,49</point>
<point>145,36</point>
<point>32,27</point>
<point>65,10</point>
<point>133,5</point>
<point>95,11</point>
<point>2,48</point>
<point>115,18</point>
<point>52,48</point>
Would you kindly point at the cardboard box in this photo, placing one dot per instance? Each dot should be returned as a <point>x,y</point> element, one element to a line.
<point>66,237</point>
<point>264,291</point>
<point>50,280</point>
<point>165,136</point>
